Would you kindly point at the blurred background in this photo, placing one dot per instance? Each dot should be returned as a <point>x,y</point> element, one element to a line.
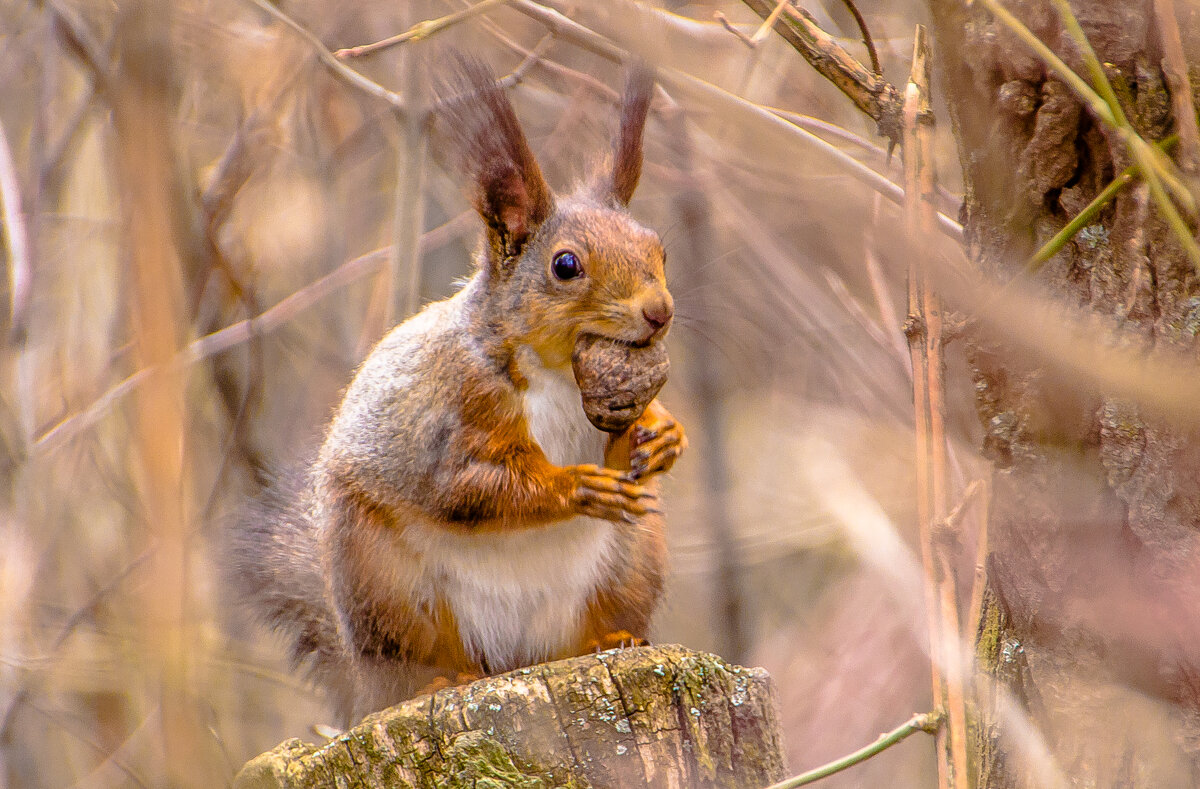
<point>266,184</point>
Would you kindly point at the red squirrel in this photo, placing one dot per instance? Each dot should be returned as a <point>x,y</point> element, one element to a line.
<point>463,517</point>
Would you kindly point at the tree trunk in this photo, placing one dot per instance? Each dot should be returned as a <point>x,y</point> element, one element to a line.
<point>1089,629</point>
<point>658,717</point>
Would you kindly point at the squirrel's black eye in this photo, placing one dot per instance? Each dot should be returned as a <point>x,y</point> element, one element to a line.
<point>566,265</point>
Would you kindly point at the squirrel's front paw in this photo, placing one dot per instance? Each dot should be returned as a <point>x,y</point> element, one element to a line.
<point>610,494</point>
<point>656,446</point>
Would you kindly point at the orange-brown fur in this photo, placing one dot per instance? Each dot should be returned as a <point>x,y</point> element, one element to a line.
<point>462,517</point>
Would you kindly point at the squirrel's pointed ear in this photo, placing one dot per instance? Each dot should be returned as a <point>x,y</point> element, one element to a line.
<point>507,188</point>
<point>627,148</point>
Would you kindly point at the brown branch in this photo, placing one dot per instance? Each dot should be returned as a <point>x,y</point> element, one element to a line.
<point>869,91</point>
<point>925,347</point>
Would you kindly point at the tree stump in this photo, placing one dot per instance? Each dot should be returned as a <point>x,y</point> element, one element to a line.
<point>652,716</point>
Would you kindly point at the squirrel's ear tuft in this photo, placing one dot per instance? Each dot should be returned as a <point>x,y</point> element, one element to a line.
<point>627,148</point>
<point>507,188</point>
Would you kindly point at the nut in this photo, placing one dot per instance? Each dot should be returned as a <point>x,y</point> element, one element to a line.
<point>617,380</point>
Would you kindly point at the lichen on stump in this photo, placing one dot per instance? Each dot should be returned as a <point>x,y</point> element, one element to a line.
<point>652,716</point>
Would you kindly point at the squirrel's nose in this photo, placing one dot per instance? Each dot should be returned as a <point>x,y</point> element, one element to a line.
<point>658,313</point>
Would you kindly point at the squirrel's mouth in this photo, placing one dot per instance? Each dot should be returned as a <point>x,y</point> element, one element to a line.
<point>638,342</point>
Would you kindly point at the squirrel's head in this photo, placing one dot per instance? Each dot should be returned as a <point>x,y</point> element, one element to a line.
<point>555,268</point>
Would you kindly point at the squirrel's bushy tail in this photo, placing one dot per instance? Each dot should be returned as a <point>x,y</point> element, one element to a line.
<point>274,568</point>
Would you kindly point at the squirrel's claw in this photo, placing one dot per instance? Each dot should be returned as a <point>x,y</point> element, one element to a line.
<point>609,494</point>
<point>656,448</point>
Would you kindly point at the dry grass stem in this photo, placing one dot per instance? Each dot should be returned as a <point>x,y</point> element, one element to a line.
<point>977,491</point>
<point>1175,69</point>
<point>925,343</point>
<point>16,239</point>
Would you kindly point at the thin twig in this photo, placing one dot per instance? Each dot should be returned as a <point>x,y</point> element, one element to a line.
<point>868,42</point>
<point>1175,69</point>
<point>879,289</point>
<point>68,627</point>
<point>928,722</point>
<point>87,738</point>
<point>408,213</point>
<point>725,23</point>
<point>339,68</point>
<point>870,92</point>
<point>78,40</point>
<point>950,201</point>
<point>531,59</point>
<point>420,30</point>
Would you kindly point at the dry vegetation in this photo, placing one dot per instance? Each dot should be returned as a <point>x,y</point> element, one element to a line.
<point>218,223</point>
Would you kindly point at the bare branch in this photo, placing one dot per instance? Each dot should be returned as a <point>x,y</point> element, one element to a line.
<point>869,91</point>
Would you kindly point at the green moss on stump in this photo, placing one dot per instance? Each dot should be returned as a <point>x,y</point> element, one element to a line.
<point>654,716</point>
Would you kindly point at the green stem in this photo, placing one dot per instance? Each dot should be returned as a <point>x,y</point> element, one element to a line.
<point>926,721</point>
<point>1155,168</point>
<point>1084,218</point>
<point>1105,89</point>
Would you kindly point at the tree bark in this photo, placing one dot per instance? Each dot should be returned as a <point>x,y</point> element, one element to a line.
<point>1089,629</point>
<point>654,716</point>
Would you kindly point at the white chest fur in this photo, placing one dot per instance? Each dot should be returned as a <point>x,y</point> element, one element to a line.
<point>554,413</point>
<point>519,597</point>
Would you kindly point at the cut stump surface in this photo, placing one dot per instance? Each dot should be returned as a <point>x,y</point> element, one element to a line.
<point>652,716</point>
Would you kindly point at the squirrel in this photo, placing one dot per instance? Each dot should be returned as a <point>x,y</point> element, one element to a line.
<point>463,518</point>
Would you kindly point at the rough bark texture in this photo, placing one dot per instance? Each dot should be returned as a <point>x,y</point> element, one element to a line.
<point>1090,622</point>
<point>654,716</point>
